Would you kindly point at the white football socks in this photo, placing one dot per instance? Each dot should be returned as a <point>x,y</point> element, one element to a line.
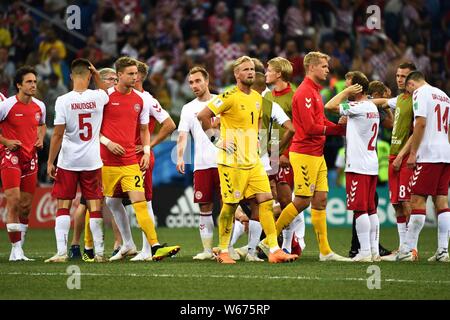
<point>206,228</point>
<point>374,234</point>
<point>254,235</point>
<point>238,231</point>
<point>443,230</point>
<point>415,225</point>
<point>62,227</point>
<point>96,225</point>
<point>363,232</point>
<point>121,217</point>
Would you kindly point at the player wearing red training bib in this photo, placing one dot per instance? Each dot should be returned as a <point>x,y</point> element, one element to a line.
<point>430,159</point>
<point>22,121</point>
<point>78,118</point>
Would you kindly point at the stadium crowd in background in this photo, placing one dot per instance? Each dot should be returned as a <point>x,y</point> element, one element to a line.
<point>172,36</point>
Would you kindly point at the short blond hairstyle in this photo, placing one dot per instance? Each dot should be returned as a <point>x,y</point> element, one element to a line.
<point>283,66</point>
<point>105,71</point>
<point>240,61</point>
<point>313,58</point>
<point>259,66</point>
<point>142,67</point>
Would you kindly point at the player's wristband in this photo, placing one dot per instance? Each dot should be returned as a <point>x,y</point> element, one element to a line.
<point>147,149</point>
<point>104,140</point>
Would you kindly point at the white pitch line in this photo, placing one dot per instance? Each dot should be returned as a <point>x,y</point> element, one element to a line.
<point>252,277</point>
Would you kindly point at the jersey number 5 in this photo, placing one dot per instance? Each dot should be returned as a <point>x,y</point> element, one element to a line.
<point>85,136</point>
<point>372,142</point>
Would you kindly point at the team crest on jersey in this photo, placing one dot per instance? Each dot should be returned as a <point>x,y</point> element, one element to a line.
<point>258,106</point>
<point>237,194</point>
<point>14,160</point>
<point>37,116</point>
<point>137,107</point>
<point>218,103</point>
<point>198,195</point>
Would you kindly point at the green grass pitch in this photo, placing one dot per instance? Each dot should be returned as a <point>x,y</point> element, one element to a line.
<point>182,278</point>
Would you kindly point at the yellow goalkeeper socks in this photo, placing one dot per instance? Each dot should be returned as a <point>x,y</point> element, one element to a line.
<point>226,218</point>
<point>145,222</point>
<point>287,215</point>
<point>268,223</point>
<point>88,239</point>
<point>319,222</point>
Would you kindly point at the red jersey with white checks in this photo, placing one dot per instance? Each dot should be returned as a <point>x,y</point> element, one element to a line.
<point>309,120</point>
<point>122,115</point>
<point>19,121</point>
<point>434,105</point>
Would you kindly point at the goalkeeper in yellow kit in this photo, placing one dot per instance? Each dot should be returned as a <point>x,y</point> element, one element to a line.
<point>241,172</point>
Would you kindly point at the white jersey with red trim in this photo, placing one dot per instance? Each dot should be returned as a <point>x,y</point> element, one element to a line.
<point>361,136</point>
<point>434,105</point>
<point>82,114</point>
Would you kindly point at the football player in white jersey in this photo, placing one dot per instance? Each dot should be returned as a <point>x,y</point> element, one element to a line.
<point>206,177</point>
<point>2,97</point>
<point>78,118</point>
<point>430,158</point>
<point>361,169</point>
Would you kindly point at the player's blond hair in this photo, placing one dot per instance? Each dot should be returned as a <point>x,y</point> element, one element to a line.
<point>201,70</point>
<point>124,62</point>
<point>313,58</point>
<point>240,61</point>
<point>105,71</point>
<point>259,66</point>
<point>142,67</point>
<point>283,66</point>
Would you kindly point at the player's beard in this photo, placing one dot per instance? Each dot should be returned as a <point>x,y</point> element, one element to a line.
<point>248,82</point>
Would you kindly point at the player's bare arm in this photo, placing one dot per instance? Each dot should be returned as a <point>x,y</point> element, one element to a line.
<point>145,138</point>
<point>167,127</point>
<point>181,147</point>
<point>55,146</point>
<point>42,129</point>
<point>288,134</point>
<point>416,139</point>
<point>396,164</point>
<point>333,104</point>
<point>112,146</point>
<point>97,79</point>
<point>12,145</point>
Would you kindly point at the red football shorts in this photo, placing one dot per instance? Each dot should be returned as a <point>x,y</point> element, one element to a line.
<point>17,172</point>
<point>66,184</point>
<point>399,181</point>
<point>361,190</point>
<point>430,179</point>
<point>206,184</point>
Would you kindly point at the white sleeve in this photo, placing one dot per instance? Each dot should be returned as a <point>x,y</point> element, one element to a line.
<point>420,103</point>
<point>144,117</point>
<point>340,161</point>
<point>3,110</point>
<point>184,121</point>
<point>103,96</point>
<point>157,111</point>
<point>350,109</point>
<point>278,114</point>
<point>60,116</point>
<point>392,103</point>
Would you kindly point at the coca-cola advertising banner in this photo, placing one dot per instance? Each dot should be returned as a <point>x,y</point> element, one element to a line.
<point>43,209</point>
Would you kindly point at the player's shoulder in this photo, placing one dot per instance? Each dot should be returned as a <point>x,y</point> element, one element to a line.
<point>229,93</point>
<point>40,103</point>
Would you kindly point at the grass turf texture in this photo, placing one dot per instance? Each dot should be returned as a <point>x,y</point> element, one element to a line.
<point>185,279</point>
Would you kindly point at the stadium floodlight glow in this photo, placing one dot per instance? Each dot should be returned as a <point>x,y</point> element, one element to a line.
<point>265,26</point>
<point>127,19</point>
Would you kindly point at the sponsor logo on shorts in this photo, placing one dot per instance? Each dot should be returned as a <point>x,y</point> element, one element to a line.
<point>198,195</point>
<point>14,160</point>
<point>237,194</point>
<point>137,107</point>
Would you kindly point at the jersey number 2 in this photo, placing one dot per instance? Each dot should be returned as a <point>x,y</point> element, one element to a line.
<point>372,142</point>
<point>85,136</point>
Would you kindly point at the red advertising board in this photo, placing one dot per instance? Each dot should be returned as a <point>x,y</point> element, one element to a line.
<point>43,209</point>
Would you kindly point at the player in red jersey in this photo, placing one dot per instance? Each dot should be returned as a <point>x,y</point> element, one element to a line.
<point>306,154</point>
<point>22,120</point>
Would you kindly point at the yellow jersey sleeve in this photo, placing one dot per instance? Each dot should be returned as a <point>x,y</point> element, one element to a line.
<point>222,102</point>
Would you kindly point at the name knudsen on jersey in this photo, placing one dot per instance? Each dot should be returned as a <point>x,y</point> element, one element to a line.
<point>83,105</point>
